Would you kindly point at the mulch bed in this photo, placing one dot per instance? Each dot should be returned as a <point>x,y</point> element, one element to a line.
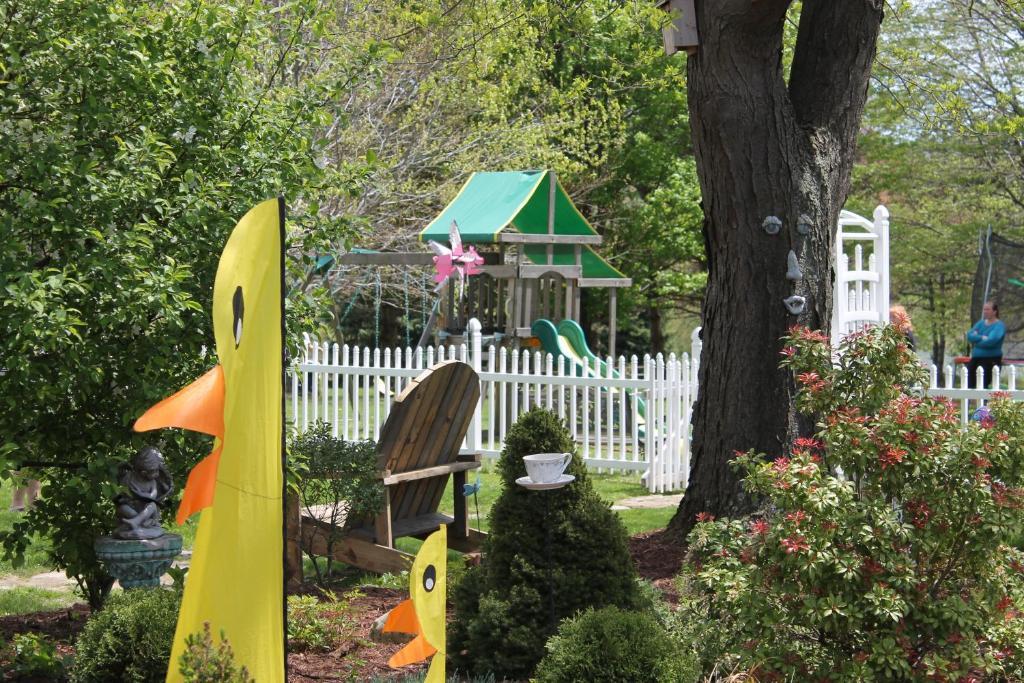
<point>61,627</point>
<point>658,558</point>
<point>354,660</point>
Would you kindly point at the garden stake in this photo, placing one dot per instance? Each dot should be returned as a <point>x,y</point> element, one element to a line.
<point>237,489</point>
<point>468,489</point>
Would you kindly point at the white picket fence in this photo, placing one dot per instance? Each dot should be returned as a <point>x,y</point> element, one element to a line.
<point>955,387</point>
<point>630,415</point>
<point>861,292</point>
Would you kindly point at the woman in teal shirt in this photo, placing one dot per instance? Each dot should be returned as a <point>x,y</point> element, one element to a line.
<point>986,339</point>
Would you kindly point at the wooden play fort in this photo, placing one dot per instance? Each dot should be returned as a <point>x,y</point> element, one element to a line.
<point>538,252</point>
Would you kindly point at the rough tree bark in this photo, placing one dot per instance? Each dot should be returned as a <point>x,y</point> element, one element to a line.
<point>654,319</point>
<point>766,148</point>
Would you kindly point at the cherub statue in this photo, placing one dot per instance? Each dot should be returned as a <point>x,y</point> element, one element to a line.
<point>148,483</point>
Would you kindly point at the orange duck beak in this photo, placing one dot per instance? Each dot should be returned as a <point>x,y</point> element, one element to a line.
<point>403,620</point>
<point>199,407</point>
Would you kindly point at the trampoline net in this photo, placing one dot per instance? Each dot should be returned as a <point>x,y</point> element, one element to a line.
<point>1000,277</point>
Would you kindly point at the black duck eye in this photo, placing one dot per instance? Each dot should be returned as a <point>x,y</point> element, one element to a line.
<point>429,577</point>
<point>238,306</point>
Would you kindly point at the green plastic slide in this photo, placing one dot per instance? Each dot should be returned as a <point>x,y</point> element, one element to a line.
<point>568,341</point>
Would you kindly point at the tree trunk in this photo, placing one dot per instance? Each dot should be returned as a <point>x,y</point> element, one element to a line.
<point>764,149</point>
<point>389,332</point>
<point>657,333</point>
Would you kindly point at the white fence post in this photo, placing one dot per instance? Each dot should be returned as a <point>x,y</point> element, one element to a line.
<point>881,216</point>
<point>672,434</point>
<point>346,358</point>
<point>337,389</point>
<point>861,295</point>
<point>473,435</point>
<point>653,433</point>
<point>689,394</point>
<point>352,387</point>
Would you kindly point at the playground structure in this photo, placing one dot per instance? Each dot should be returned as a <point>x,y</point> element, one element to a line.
<point>538,253</point>
<point>627,414</point>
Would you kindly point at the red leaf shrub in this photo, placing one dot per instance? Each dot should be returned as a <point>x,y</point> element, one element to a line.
<point>885,549</point>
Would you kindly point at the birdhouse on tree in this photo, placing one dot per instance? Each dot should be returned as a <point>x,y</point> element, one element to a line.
<point>681,32</point>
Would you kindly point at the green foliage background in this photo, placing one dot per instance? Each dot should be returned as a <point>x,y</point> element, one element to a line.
<point>134,135</point>
<point>582,88</point>
<point>132,138</point>
<point>940,146</point>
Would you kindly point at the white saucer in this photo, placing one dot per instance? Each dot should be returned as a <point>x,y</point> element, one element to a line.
<point>528,483</point>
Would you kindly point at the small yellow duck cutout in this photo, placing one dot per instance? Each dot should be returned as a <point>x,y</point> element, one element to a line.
<point>423,614</point>
<point>236,579</point>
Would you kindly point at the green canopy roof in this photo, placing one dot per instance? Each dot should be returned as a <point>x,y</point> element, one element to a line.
<point>495,201</point>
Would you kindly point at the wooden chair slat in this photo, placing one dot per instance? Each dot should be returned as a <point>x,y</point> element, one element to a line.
<point>439,441</point>
<point>424,431</point>
<point>416,448</point>
<point>397,429</point>
<point>453,440</point>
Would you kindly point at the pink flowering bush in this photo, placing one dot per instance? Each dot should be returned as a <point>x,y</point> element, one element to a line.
<point>884,549</point>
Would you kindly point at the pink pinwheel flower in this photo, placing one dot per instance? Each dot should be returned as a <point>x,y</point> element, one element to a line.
<point>455,261</point>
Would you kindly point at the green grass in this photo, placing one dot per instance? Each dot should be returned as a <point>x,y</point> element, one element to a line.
<point>23,600</point>
<point>35,555</point>
<point>187,531</point>
<point>637,521</point>
<point>611,488</point>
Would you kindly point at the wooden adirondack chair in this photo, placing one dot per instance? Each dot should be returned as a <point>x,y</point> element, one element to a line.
<point>418,450</point>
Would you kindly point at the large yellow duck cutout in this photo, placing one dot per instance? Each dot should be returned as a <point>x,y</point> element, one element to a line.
<point>236,579</point>
<point>423,614</point>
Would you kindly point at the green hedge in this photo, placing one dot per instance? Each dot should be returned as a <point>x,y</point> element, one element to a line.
<point>549,555</point>
<point>611,645</point>
<point>129,640</point>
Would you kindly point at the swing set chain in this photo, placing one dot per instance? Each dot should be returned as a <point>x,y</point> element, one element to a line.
<point>376,311</point>
<point>378,290</point>
<point>405,290</point>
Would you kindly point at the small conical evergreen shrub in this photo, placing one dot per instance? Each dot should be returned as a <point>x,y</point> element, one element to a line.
<point>549,555</point>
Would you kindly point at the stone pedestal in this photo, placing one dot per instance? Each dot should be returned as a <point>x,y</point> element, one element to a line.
<point>138,564</point>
